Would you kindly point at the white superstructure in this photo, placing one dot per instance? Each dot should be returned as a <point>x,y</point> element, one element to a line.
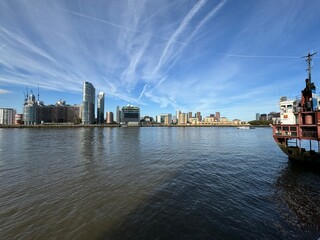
<point>287,111</point>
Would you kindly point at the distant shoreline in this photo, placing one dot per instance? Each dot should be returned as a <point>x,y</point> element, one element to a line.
<point>114,126</point>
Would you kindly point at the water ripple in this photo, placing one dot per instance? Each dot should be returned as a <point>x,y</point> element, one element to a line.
<point>152,183</point>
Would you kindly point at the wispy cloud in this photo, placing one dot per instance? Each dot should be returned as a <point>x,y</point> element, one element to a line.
<point>25,42</point>
<point>3,91</point>
<point>168,48</point>
<point>3,46</point>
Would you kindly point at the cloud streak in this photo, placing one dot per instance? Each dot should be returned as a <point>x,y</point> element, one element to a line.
<point>166,52</point>
<point>3,91</point>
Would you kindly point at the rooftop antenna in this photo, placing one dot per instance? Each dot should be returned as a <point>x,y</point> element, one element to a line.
<point>38,93</point>
<point>309,60</point>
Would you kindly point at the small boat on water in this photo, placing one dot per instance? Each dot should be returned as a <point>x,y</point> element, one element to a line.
<point>245,127</point>
<point>298,132</point>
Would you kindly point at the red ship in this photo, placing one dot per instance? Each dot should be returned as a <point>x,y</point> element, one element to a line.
<point>298,132</point>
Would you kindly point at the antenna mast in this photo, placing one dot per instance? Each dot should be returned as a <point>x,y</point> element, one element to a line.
<point>38,93</point>
<point>309,60</point>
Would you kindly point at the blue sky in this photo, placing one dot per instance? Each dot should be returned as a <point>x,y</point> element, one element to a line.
<point>235,57</point>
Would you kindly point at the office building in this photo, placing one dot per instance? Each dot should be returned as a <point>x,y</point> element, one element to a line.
<point>130,115</point>
<point>109,117</point>
<point>218,116</point>
<point>189,117</point>
<point>263,117</point>
<point>100,109</point>
<point>7,116</point>
<point>198,115</point>
<point>147,119</point>
<point>35,112</point>
<point>258,116</point>
<point>177,115</point>
<point>158,119</point>
<point>18,119</point>
<point>30,110</point>
<point>165,118</point>
<point>209,120</point>
<point>88,103</point>
<point>118,115</point>
<point>182,118</point>
<point>194,121</point>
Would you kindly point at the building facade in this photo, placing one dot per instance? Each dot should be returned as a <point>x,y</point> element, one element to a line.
<point>35,112</point>
<point>88,103</point>
<point>118,115</point>
<point>130,115</point>
<point>218,116</point>
<point>165,118</point>
<point>177,115</point>
<point>18,119</point>
<point>7,116</point>
<point>182,118</point>
<point>198,115</point>
<point>30,110</point>
<point>100,109</point>
<point>109,117</point>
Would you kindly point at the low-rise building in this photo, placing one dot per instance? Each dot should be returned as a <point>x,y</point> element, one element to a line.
<point>7,116</point>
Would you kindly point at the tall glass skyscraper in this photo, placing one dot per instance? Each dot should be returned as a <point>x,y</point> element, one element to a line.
<point>100,109</point>
<point>88,102</point>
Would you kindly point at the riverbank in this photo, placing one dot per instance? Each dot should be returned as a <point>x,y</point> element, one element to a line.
<point>114,125</point>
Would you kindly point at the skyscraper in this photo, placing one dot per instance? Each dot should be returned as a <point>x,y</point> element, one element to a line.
<point>177,114</point>
<point>100,109</point>
<point>198,115</point>
<point>118,113</point>
<point>258,116</point>
<point>218,116</point>
<point>88,102</point>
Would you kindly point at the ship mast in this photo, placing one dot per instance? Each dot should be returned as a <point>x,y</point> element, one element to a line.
<point>309,60</point>
<point>310,87</point>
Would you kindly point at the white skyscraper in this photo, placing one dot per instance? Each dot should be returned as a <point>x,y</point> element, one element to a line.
<point>177,114</point>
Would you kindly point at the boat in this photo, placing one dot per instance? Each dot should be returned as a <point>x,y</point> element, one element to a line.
<point>245,127</point>
<point>297,132</point>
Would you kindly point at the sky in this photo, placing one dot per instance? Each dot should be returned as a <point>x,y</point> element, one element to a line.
<point>227,56</point>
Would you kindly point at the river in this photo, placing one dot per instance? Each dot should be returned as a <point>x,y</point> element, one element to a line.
<point>153,183</point>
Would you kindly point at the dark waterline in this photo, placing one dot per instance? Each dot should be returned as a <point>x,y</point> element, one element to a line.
<point>153,183</point>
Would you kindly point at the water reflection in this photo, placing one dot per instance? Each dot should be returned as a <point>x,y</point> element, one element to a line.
<point>298,196</point>
<point>87,146</point>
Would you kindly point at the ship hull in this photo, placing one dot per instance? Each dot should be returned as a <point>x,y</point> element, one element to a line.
<point>297,154</point>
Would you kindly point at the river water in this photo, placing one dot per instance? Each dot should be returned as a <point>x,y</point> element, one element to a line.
<point>153,183</point>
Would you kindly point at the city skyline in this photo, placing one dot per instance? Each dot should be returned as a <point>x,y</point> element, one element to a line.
<point>199,56</point>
